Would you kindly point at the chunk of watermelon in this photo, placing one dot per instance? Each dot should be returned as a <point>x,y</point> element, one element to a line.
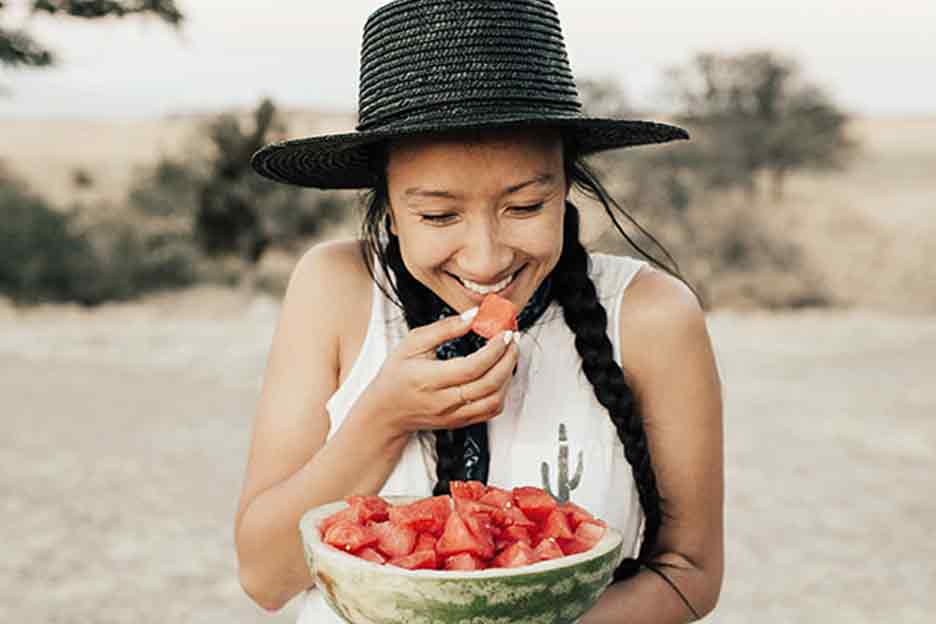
<point>368,508</point>
<point>497,497</point>
<point>575,514</point>
<point>463,561</point>
<point>547,549</point>
<point>426,541</point>
<point>458,538</point>
<point>512,516</point>
<point>471,490</point>
<point>419,560</point>
<point>586,535</point>
<point>349,536</point>
<point>394,540</point>
<point>557,525</point>
<point>535,502</point>
<point>495,315</point>
<point>424,516</point>
<point>371,555</point>
<point>516,555</point>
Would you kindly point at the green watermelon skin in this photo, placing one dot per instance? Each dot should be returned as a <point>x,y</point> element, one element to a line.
<point>555,592</point>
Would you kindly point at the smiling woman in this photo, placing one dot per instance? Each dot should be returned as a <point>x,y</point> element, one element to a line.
<point>469,163</point>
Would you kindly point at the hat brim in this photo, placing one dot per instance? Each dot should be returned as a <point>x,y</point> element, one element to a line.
<point>342,161</point>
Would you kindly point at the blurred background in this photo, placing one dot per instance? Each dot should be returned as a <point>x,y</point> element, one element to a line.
<point>142,264</point>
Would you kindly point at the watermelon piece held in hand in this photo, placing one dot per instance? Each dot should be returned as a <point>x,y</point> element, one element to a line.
<point>495,315</point>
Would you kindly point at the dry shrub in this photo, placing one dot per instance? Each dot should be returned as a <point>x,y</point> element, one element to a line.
<point>735,253</point>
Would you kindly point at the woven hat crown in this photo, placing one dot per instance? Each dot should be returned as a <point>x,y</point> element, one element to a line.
<point>424,61</point>
<point>431,66</point>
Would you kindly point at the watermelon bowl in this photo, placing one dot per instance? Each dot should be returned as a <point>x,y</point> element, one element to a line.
<point>557,591</point>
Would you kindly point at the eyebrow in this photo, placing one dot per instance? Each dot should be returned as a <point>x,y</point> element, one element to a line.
<point>416,191</point>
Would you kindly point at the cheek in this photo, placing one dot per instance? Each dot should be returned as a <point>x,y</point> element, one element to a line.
<point>542,237</point>
<point>422,251</point>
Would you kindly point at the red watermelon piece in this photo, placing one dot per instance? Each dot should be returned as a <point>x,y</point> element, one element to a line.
<point>419,560</point>
<point>463,561</point>
<point>516,555</point>
<point>371,555</point>
<point>471,490</point>
<point>575,514</point>
<point>394,540</point>
<point>426,541</point>
<point>547,549</point>
<point>368,508</point>
<point>534,502</point>
<point>349,536</point>
<point>495,314</point>
<point>424,516</point>
<point>557,525</point>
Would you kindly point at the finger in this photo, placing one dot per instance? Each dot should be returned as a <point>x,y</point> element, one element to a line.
<point>427,338</point>
<point>496,378</point>
<point>494,383</point>
<point>462,370</point>
<point>482,410</point>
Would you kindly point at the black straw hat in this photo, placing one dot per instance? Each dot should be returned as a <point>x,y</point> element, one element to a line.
<point>429,66</point>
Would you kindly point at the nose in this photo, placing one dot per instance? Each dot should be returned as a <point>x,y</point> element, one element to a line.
<point>485,257</point>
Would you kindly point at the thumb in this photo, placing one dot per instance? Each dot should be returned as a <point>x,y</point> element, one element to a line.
<point>428,337</point>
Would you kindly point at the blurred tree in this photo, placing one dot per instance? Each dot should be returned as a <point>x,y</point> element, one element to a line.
<point>19,49</point>
<point>755,115</point>
<point>226,219</point>
<point>604,97</point>
<point>230,209</point>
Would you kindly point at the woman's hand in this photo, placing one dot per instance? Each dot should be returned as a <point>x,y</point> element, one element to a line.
<point>416,391</point>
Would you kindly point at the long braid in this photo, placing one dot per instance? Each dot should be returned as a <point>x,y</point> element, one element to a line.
<point>588,320</point>
<point>586,317</point>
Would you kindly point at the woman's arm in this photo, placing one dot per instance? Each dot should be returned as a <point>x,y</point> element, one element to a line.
<point>671,367</point>
<point>290,467</point>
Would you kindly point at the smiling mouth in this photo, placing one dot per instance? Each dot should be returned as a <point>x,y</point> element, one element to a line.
<point>509,282</point>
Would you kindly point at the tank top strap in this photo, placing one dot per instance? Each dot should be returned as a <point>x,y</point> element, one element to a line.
<point>612,275</point>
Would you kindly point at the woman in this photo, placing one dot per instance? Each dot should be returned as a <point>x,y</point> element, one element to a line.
<point>470,139</point>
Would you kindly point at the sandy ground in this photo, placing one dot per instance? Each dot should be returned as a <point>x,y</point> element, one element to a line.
<point>126,431</point>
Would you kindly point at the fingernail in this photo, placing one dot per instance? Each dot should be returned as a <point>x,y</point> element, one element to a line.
<point>467,315</point>
<point>508,336</point>
<point>516,338</point>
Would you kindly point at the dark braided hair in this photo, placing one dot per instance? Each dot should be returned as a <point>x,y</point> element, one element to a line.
<point>574,291</point>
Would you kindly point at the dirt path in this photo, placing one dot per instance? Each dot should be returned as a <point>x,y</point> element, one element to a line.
<point>126,432</point>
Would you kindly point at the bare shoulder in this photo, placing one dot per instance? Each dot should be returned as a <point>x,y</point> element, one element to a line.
<point>663,328</point>
<point>336,272</point>
<point>335,263</point>
<point>655,297</point>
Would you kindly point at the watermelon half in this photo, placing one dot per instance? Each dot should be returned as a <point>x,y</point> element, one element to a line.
<point>361,592</point>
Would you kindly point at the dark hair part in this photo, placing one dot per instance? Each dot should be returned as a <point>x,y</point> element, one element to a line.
<point>575,292</point>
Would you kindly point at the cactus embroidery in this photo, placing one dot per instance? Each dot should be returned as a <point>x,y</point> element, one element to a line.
<point>564,485</point>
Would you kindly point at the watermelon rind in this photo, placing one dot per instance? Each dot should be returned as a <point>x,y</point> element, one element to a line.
<point>557,591</point>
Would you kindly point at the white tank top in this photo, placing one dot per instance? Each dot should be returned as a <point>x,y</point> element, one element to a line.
<point>549,390</point>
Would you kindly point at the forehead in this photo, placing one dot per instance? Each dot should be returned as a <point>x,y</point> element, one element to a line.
<point>497,155</point>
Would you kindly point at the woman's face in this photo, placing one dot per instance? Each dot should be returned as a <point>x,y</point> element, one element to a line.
<point>475,214</point>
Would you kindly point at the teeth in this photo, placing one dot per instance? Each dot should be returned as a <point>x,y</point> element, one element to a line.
<point>483,290</point>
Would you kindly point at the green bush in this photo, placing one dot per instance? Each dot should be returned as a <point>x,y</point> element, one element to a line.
<point>44,256</point>
<point>41,258</point>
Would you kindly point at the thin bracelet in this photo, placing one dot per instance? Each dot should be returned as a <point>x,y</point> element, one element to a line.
<point>695,614</point>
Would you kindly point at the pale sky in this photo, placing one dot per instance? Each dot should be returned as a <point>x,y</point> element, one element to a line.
<point>875,57</point>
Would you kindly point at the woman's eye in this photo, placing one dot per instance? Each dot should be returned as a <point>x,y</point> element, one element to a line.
<point>436,218</point>
<point>532,208</point>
